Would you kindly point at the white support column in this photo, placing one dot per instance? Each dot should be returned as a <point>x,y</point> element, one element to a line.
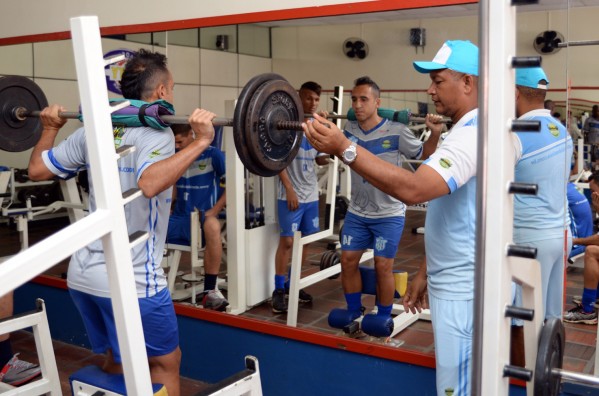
<point>495,211</point>
<point>89,63</point>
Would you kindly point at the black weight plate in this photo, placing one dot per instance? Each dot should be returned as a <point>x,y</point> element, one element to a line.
<point>549,356</point>
<point>335,259</point>
<point>17,91</point>
<point>271,148</point>
<point>324,260</point>
<point>239,120</point>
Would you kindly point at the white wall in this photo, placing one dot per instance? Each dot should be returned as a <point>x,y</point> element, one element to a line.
<point>203,78</point>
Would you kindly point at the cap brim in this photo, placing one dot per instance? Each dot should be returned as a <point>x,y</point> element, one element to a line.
<point>427,67</point>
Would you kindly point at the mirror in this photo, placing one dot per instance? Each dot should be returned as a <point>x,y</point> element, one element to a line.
<point>211,65</point>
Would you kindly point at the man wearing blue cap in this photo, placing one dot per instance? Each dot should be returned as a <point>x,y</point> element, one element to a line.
<point>541,220</point>
<point>448,180</point>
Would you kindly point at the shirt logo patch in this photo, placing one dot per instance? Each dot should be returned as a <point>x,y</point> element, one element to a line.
<point>118,133</point>
<point>202,166</point>
<point>386,144</point>
<point>553,130</point>
<point>154,153</point>
<point>445,163</point>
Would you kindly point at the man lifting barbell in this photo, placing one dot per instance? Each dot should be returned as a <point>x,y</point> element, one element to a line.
<point>154,168</point>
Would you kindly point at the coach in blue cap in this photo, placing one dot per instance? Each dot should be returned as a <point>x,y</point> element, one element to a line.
<point>446,179</point>
<point>541,220</point>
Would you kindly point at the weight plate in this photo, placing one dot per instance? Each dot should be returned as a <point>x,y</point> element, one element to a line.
<point>239,120</point>
<point>324,260</point>
<point>549,356</point>
<point>271,148</point>
<point>335,259</point>
<point>17,91</point>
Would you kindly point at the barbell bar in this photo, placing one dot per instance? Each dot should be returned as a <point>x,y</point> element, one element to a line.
<point>21,113</point>
<point>267,123</point>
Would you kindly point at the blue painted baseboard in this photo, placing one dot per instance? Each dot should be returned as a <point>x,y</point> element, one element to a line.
<point>212,352</point>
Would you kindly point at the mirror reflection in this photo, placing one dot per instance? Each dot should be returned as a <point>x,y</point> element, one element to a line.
<point>210,68</point>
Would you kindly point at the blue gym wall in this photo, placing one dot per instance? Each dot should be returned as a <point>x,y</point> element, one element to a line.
<point>212,351</point>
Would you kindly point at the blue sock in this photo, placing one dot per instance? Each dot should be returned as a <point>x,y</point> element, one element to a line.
<point>288,277</point>
<point>354,302</point>
<point>210,282</point>
<point>588,299</point>
<point>5,352</point>
<point>384,310</point>
<point>279,281</point>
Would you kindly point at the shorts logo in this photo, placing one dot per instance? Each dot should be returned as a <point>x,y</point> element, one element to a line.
<point>553,130</point>
<point>386,144</point>
<point>315,222</point>
<point>347,240</point>
<point>445,163</point>
<point>380,243</point>
<point>294,227</point>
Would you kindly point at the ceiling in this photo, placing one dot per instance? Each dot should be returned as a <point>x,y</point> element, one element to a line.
<point>422,13</point>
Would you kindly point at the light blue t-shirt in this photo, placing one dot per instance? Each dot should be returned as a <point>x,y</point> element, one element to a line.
<point>302,173</point>
<point>87,269</point>
<point>451,219</point>
<point>388,140</point>
<point>542,158</point>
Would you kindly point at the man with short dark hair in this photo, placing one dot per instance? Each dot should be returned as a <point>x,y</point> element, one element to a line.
<point>590,130</point>
<point>374,219</point>
<point>199,189</point>
<point>297,196</point>
<point>153,167</point>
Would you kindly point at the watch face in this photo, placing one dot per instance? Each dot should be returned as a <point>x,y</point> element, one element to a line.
<point>349,154</point>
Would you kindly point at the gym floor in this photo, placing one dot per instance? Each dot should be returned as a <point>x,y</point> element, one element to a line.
<point>580,339</point>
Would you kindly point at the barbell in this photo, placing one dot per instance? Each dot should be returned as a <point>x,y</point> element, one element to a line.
<point>548,372</point>
<point>267,122</point>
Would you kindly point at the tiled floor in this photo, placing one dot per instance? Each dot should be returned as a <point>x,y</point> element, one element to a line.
<point>580,339</point>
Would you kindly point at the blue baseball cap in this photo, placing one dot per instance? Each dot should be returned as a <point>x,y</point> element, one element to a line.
<point>531,77</point>
<point>457,55</point>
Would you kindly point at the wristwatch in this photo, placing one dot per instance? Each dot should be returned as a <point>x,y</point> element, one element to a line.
<point>349,154</point>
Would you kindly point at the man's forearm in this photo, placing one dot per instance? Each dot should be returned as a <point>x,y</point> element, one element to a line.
<point>37,168</point>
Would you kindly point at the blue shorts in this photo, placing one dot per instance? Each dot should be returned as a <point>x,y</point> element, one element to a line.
<point>304,218</point>
<point>382,235</point>
<point>453,326</point>
<point>158,320</point>
<point>179,229</point>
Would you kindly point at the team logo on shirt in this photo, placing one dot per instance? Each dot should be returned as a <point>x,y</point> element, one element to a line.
<point>386,144</point>
<point>202,165</point>
<point>118,133</point>
<point>154,153</point>
<point>553,129</point>
<point>445,163</point>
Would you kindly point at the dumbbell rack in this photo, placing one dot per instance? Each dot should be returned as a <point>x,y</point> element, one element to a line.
<point>106,222</point>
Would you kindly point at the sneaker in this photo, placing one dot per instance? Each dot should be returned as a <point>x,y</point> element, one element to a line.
<point>303,296</point>
<point>16,372</point>
<point>279,304</point>
<point>577,315</point>
<point>214,300</point>
<point>578,301</point>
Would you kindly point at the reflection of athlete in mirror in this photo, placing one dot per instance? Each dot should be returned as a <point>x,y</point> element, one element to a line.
<point>375,219</point>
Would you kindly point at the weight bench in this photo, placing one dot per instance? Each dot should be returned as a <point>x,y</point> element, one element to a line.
<point>91,380</point>
<point>173,258</point>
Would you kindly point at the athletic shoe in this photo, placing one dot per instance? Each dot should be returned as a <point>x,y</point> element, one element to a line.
<point>577,315</point>
<point>279,304</point>
<point>16,372</point>
<point>214,300</point>
<point>303,296</point>
<point>578,301</point>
